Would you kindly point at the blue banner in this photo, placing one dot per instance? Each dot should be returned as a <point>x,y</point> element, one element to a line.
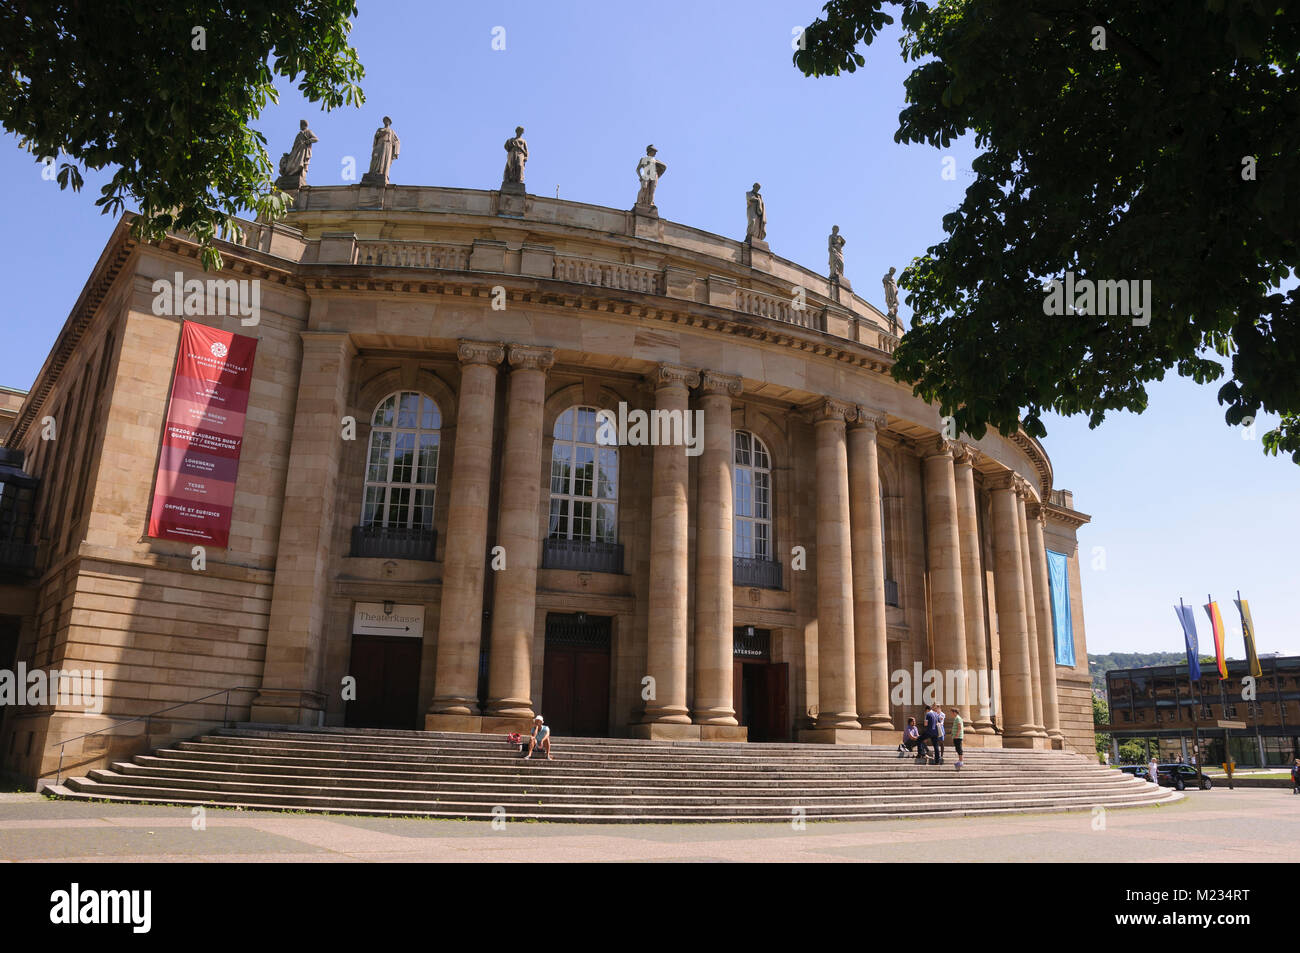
<point>1188,618</point>
<point>1058,578</point>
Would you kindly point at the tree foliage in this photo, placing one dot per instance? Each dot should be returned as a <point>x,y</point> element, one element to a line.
<point>1100,716</point>
<point>163,93</point>
<point>1146,141</point>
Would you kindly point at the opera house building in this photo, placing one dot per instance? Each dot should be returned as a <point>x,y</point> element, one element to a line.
<point>444,459</point>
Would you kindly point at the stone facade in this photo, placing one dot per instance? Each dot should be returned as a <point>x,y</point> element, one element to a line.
<point>886,546</point>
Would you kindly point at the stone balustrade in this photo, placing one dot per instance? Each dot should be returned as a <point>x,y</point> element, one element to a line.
<point>439,255</point>
<point>608,274</point>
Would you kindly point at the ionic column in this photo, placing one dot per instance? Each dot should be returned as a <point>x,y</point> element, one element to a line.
<point>669,569</point>
<point>1013,629</point>
<point>295,643</point>
<point>1023,495</point>
<point>514,600</point>
<point>1043,605</point>
<point>972,590</point>
<point>871,647</point>
<point>943,553</point>
<point>460,625</point>
<point>836,682</point>
<point>713,556</point>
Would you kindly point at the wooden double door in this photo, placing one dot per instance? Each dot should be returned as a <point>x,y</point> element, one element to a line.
<point>575,675</point>
<point>761,695</point>
<point>387,670</point>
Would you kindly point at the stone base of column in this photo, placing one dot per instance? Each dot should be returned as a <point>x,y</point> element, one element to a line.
<point>473,723</point>
<point>715,717</point>
<point>664,731</point>
<point>1030,742</point>
<point>842,736</point>
<point>724,733</point>
<point>515,708</point>
<point>877,723</point>
<point>973,740</point>
<point>278,707</point>
<point>981,728</point>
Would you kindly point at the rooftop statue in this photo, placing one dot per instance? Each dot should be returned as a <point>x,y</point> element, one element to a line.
<point>891,295</point>
<point>382,154</point>
<point>516,157</point>
<point>835,245</point>
<point>757,214</point>
<point>293,164</point>
<point>648,170</point>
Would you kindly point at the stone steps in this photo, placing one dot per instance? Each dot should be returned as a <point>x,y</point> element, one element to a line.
<point>596,779</point>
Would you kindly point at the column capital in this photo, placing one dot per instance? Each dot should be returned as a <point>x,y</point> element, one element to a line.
<point>834,411</point>
<point>673,375</point>
<point>480,352</point>
<point>965,455</point>
<point>1024,491</point>
<point>939,446</point>
<point>530,358</point>
<point>711,382</point>
<point>1036,511</point>
<point>870,417</point>
<point>1002,480</point>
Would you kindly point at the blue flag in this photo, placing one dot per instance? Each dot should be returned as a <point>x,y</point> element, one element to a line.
<point>1188,618</point>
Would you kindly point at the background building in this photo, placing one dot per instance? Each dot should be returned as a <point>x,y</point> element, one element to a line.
<point>1161,703</point>
<point>430,365</point>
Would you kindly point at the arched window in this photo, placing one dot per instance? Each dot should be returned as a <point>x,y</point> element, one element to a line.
<point>402,465</point>
<point>584,481</point>
<point>752,519</point>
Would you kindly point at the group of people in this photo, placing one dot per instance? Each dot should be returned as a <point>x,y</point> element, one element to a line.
<point>934,732</point>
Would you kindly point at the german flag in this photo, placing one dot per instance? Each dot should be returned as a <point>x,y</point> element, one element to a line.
<point>1216,623</point>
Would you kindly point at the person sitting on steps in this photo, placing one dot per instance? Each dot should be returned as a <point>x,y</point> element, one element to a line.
<point>540,738</point>
<point>911,738</point>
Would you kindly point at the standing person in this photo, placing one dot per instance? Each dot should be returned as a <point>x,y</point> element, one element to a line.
<point>958,732</point>
<point>1295,777</point>
<point>540,738</point>
<point>931,732</point>
<point>1153,771</point>
<point>938,733</point>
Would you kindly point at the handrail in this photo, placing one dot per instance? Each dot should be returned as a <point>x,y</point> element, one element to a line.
<point>147,718</point>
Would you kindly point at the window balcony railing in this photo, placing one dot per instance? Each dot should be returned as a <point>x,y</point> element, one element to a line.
<point>891,593</point>
<point>17,558</point>
<point>393,542</point>
<point>582,554</point>
<point>756,571</point>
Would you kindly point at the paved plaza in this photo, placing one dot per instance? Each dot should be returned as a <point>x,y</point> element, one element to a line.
<point>1220,825</point>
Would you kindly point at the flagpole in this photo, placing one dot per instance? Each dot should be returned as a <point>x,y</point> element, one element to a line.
<point>1196,714</point>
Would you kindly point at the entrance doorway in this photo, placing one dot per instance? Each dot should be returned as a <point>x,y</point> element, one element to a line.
<point>760,687</point>
<point>387,670</point>
<point>575,675</point>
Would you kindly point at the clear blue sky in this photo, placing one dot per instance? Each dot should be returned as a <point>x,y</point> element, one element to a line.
<point>1181,504</point>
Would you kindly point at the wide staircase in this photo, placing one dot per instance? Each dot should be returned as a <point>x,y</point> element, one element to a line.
<point>591,780</point>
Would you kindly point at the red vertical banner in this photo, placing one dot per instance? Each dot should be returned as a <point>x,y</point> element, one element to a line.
<point>204,432</point>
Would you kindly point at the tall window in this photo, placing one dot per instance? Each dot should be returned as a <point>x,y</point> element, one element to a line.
<point>753,513</point>
<point>584,480</point>
<point>402,467</point>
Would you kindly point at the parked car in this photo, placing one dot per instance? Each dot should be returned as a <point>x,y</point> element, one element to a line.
<point>1137,770</point>
<point>1179,776</point>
